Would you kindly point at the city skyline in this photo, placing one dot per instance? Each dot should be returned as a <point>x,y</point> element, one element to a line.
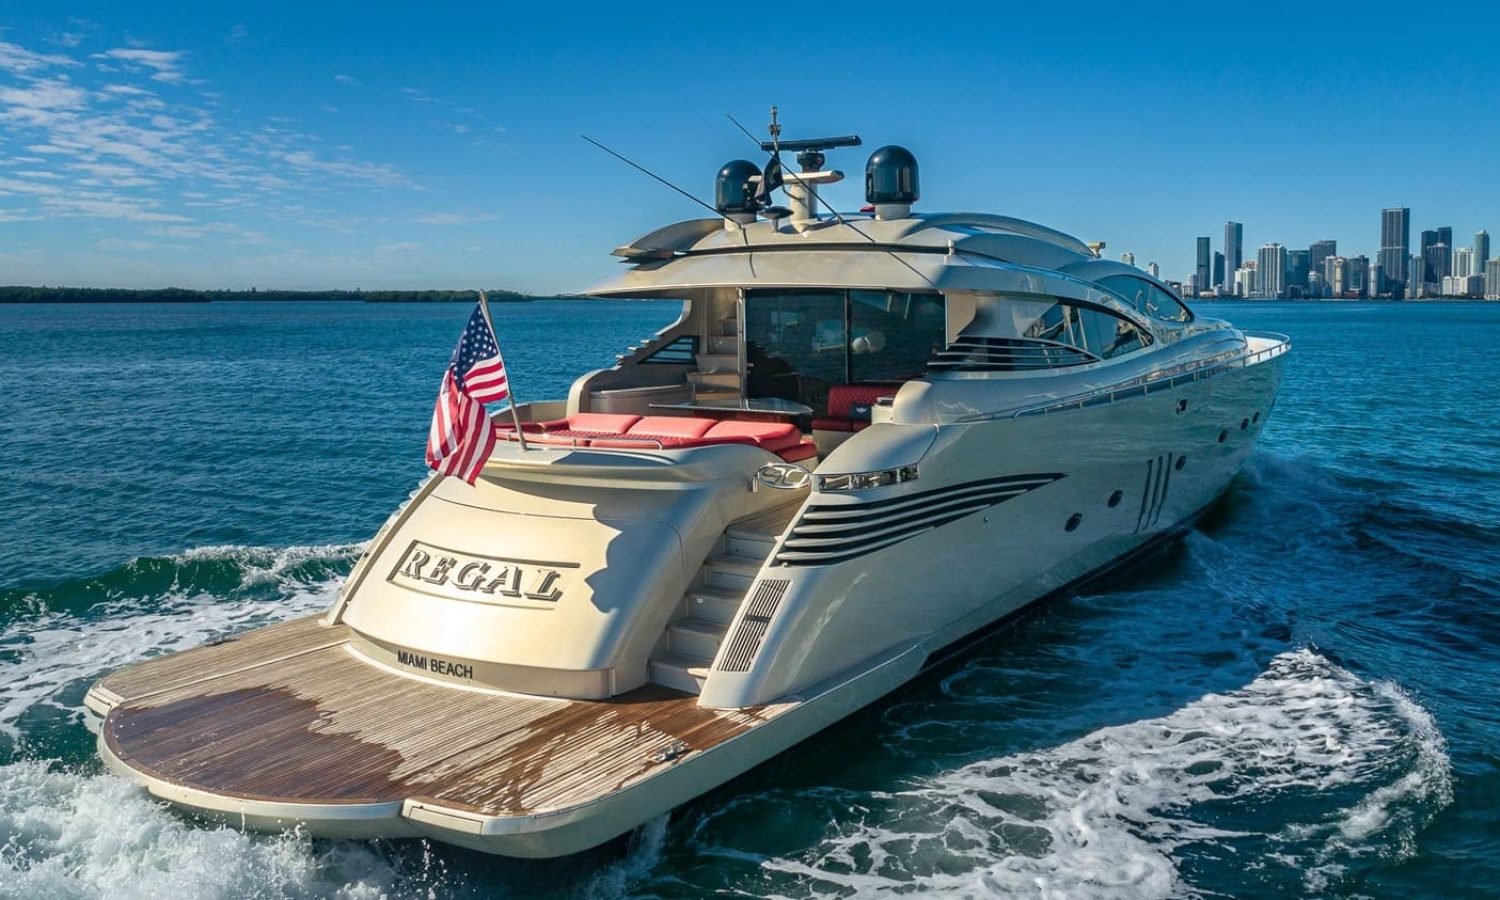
<point>1439,267</point>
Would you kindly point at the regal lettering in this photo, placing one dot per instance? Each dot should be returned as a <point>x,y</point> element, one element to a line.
<point>472,577</point>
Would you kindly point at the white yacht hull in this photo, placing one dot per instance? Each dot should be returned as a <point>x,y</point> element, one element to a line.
<point>844,634</point>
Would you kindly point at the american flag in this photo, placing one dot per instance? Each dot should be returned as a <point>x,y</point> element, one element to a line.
<point>461,437</point>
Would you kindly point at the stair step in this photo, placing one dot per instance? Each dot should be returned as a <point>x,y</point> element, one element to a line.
<point>716,379</point>
<point>749,544</point>
<point>732,571</point>
<point>697,637</point>
<point>719,362</point>
<point>684,673</point>
<point>724,343</point>
<point>714,604</point>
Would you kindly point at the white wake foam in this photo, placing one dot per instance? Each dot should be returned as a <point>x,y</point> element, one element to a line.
<point>48,659</point>
<point>1360,766</point>
<point>66,835</point>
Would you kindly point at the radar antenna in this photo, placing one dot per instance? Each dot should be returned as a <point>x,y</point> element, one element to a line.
<point>810,152</point>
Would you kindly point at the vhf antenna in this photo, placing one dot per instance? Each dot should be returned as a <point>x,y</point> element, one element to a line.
<point>641,168</point>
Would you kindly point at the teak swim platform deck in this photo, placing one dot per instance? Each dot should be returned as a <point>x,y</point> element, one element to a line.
<point>291,717</point>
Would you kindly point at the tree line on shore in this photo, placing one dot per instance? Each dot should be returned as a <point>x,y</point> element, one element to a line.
<point>24,294</point>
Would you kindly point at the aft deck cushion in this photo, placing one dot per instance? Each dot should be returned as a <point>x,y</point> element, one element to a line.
<point>671,426</point>
<point>773,436</point>
<point>601,423</point>
<point>803,450</point>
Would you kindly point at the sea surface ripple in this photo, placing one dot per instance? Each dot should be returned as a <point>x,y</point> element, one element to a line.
<point>1297,699</point>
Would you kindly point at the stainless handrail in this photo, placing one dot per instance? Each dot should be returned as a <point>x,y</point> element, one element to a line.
<point>1105,396</point>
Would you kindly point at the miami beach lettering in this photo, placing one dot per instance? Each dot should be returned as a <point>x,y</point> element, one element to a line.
<point>434,665</point>
<point>474,577</point>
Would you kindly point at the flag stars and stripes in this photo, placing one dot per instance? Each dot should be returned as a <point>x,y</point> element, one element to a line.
<point>461,437</point>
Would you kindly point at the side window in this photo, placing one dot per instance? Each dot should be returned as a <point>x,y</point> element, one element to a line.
<point>1147,298</point>
<point>1109,335</point>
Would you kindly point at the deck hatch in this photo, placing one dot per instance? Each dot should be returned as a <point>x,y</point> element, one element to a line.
<point>752,628</point>
<point>832,533</point>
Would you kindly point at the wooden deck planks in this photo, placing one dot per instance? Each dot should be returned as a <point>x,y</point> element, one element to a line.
<point>254,648</point>
<point>313,722</point>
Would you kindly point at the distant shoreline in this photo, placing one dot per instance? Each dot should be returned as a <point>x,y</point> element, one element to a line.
<point>22,294</point>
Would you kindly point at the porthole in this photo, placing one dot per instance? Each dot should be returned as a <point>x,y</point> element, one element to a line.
<point>1115,498</point>
<point>1074,521</point>
<point>1223,435</point>
<point>1182,406</point>
<point>1244,423</point>
<point>1181,461</point>
<point>1255,417</point>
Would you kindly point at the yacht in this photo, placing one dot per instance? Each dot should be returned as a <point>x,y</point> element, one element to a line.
<point>868,438</point>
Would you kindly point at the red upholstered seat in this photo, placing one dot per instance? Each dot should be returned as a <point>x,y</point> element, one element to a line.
<point>671,426</point>
<point>849,406</point>
<point>801,450</point>
<point>602,423</point>
<point>773,436</point>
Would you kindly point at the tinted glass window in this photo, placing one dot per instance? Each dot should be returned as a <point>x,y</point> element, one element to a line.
<point>1109,335</point>
<point>800,343</point>
<point>1147,298</point>
<point>1096,331</point>
<point>893,335</point>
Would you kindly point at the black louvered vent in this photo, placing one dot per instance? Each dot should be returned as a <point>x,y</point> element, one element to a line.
<point>989,354</point>
<point>758,613</point>
<point>1154,494</point>
<point>828,533</point>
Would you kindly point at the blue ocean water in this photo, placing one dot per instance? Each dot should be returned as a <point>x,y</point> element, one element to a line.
<point>1297,699</point>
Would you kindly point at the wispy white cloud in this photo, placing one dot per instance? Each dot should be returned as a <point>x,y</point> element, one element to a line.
<point>19,61</point>
<point>352,170</point>
<point>167,64</point>
<point>238,33</point>
<point>349,80</point>
<point>453,218</point>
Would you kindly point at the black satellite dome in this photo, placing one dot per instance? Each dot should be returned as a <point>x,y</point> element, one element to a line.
<point>891,176</point>
<point>733,192</point>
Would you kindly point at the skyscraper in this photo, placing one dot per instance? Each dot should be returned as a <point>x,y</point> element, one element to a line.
<point>1316,255</point>
<point>1218,270</point>
<point>1395,246</point>
<point>1463,262</point>
<point>1492,280</point>
<point>1297,262</point>
<point>1127,258</point>
<point>1153,270</point>
<point>1357,275</point>
<point>1205,262</point>
<point>1270,273</point>
<point>1234,252</point>
<point>1437,261</point>
<point>1445,235</point>
<point>1481,251</point>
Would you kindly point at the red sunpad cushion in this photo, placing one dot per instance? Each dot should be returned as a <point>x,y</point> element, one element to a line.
<point>671,426</point>
<point>772,436</point>
<point>601,423</point>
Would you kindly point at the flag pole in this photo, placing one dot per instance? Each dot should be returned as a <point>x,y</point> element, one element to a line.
<point>484,307</point>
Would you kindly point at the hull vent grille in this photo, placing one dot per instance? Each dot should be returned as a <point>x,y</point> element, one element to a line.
<point>747,637</point>
<point>1154,493</point>
<point>833,533</point>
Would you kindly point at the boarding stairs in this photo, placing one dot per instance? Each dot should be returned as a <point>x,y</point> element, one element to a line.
<point>687,649</point>
<point>718,374</point>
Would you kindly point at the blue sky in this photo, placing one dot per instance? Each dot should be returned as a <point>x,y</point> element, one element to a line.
<point>355,145</point>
